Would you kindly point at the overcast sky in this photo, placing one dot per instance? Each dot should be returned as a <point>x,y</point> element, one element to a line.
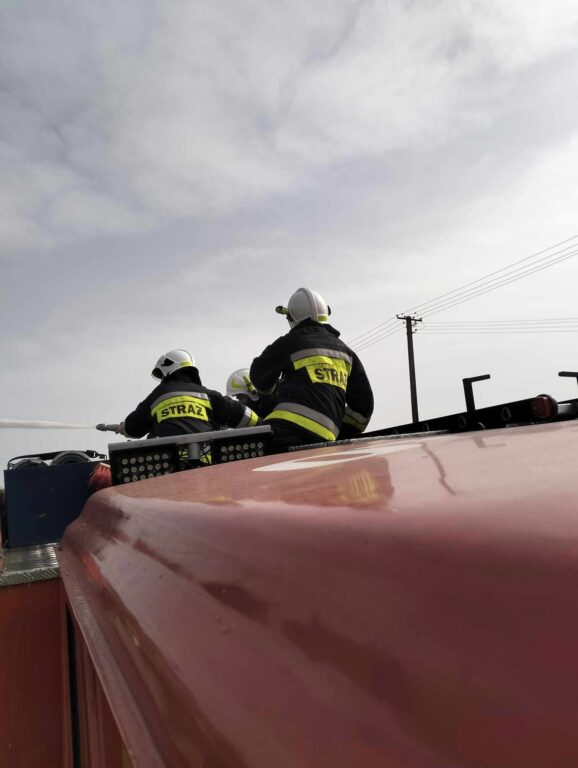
<point>172,170</point>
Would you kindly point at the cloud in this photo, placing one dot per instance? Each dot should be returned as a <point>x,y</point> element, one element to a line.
<point>410,75</point>
<point>121,117</point>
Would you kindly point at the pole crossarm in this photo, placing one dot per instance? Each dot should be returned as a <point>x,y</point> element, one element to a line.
<point>412,319</point>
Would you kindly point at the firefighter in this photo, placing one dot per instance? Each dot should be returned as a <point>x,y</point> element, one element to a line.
<point>240,386</point>
<point>323,391</point>
<point>181,405</point>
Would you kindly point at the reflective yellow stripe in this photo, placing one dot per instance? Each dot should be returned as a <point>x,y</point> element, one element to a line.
<point>204,458</point>
<point>325,370</point>
<point>303,421</point>
<point>183,406</point>
<point>250,418</point>
<point>176,393</point>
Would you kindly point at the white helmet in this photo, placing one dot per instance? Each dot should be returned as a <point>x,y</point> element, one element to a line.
<point>304,304</point>
<point>170,362</point>
<point>239,383</point>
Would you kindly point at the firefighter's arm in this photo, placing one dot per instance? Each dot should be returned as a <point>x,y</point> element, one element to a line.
<point>139,422</point>
<point>359,402</point>
<point>231,412</point>
<point>268,367</point>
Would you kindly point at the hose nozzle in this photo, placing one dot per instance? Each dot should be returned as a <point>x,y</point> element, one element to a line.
<point>117,428</point>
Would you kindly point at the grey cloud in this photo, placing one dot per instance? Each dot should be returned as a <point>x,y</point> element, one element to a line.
<point>119,118</point>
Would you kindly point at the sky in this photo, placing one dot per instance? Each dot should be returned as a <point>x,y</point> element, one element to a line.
<point>170,171</point>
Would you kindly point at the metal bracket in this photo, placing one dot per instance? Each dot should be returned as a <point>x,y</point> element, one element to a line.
<point>569,374</point>
<point>469,392</point>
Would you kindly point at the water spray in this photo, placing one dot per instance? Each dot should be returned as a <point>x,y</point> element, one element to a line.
<point>27,424</point>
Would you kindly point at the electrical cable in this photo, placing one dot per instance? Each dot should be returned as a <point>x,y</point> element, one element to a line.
<point>495,272</point>
<point>380,334</point>
<point>546,330</point>
<point>498,325</point>
<point>380,338</point>
<point>474,288</point>
<point>475,292</point>
<point>391,321</point>
<point>475,323</point>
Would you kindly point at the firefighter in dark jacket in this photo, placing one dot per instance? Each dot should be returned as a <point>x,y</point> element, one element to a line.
<point>181,405</point>
<point>322,389</point>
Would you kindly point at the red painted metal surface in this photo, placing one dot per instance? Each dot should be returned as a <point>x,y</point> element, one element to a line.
<point>99,741</point>
<point>400,603</point>
<point>31,723</point>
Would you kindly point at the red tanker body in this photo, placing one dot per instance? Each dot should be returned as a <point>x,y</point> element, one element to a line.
<point>390,603</point>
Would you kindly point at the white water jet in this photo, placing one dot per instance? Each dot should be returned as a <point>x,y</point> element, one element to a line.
<point>27,424</point>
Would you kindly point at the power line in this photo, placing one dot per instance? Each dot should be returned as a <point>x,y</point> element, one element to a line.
<point>391,321</point>
<point>473,289</point>
<point>495,272</point>
<point>495,326</point>
<point>503,331</point>
<point>536,321</point>
<point>474,293</point>
<point>381,335</point>
<point>452,327</point>
<point>379,338</point>
<point>482,290</point>
<point>465,324</point>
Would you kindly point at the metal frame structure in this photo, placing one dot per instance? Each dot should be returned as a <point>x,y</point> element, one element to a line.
<point>142,459</point>
<point>533,410</point>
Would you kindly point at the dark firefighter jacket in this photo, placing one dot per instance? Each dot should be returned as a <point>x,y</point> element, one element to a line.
<point>264,405</point>
<point>323,389</point>
<point>181,405</point>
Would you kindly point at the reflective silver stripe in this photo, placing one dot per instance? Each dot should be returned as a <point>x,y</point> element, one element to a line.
<point>309,413</point>
<point>169,395</point>
<point>354,418</point>
<point>318,352</point>
<point>247,418</point>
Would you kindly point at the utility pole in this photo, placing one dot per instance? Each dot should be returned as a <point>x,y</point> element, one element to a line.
<point>410,323</point>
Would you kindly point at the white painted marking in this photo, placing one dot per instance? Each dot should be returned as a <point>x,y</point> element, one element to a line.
<point>337,457</point>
